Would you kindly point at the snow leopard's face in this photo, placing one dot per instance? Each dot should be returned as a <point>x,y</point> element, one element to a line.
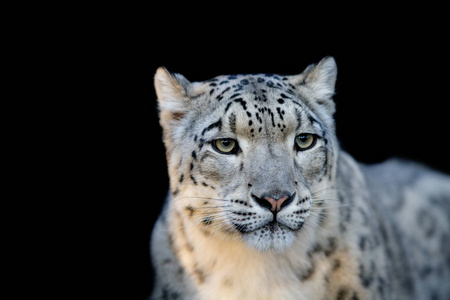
<point>249,155</point>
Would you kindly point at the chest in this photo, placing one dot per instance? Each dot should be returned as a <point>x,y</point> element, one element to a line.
<point>261,276</point>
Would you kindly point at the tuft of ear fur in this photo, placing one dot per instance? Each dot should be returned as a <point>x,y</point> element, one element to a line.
<point>319,82</point>
<point>172,92</point>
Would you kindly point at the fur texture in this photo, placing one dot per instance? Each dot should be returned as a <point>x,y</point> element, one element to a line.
<point>340,231</point>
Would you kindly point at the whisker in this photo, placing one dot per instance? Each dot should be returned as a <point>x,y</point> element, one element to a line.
<point>324,199</point>
<point>219,227</point>
<point>323,214</point>
<point>309,229</point>
<point>328,206</point>
<point>214,216</point>
<point>211,207</point>
<point>324,190</point>
<point>202,198</point>
<point>311,222</point>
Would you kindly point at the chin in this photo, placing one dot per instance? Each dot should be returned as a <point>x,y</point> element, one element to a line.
<point>273,236</point>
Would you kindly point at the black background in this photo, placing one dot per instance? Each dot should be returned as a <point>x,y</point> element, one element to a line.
<point>391,97</point>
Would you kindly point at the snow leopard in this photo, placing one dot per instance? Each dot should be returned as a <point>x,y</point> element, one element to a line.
<point>264,204</point>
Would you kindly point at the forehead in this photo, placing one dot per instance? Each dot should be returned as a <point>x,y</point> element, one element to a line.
<point>222,85</point>
<point>258,103</point>
<point>260,91</point>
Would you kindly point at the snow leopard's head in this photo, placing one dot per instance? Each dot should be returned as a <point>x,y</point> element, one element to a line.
<point>250,155</point>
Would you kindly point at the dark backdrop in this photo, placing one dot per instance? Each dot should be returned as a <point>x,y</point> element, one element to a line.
<point>391,94</point>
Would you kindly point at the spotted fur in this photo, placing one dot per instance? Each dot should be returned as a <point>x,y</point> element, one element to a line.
<point>343,231</point>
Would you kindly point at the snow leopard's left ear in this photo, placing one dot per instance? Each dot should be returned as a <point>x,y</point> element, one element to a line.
<point>318,82</point>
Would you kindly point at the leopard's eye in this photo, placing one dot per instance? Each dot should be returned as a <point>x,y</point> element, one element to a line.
<point>305,141</point>
<point>226,146</point>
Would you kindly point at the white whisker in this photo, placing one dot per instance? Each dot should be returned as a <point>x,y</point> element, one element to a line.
<point>203,198</point>
<point>322,207</point>
<point>324,190</point>
<point>324,199</point>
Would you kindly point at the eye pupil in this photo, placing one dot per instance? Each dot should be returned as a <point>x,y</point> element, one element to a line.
<point>226,143</point>
<point>303,138</point>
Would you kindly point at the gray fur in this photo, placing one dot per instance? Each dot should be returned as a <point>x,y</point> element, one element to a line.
<point>348,231</point>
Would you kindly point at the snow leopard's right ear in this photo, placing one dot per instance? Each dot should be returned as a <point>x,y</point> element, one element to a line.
<point>173,92</point>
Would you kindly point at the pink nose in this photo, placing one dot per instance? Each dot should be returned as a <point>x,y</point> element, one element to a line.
<point>275,204</point>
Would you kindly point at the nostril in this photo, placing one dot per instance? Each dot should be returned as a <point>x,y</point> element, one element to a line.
<point>287,201</point>
<point>262,202</point>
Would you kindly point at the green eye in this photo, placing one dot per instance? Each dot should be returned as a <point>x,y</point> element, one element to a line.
<point>226,146</point>
<point>305,141</point>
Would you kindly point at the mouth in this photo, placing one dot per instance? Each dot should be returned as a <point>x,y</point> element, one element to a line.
<point>270,227</point>
<point>271,236</point>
